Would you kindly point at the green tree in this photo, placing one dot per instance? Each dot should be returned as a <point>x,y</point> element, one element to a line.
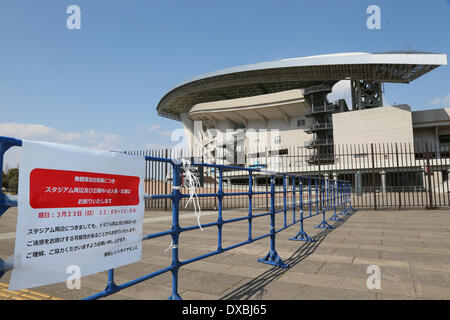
<point>13,179</point>
<point>10,180</point>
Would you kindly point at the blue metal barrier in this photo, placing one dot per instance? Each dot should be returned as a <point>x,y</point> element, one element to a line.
<point>317,196</point>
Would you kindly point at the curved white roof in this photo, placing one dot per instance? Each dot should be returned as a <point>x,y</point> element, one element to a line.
<point>293,73</point>
<point>347,58</point>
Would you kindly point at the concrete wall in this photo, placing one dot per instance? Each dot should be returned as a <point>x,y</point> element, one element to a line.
<point>379,125</point>
<point>188,126</point>
<point>258,101</point>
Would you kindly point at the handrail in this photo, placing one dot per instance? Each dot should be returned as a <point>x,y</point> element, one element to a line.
<point>318,142</point>
<point>323,108</point>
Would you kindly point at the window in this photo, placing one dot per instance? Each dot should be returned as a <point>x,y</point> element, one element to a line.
<point>301,123</point>
<point>444,139</point>
<point>238,126</point>
<point>279,152</point>
<point>277,140</point>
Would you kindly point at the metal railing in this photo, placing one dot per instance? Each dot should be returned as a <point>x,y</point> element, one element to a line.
<point>318,142</point>
<point>319,126</point>
<point>304,196</point>
<point>399,173</point>
<point>324,108</point>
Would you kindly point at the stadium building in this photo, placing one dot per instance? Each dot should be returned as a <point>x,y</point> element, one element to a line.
<point>246,115</point>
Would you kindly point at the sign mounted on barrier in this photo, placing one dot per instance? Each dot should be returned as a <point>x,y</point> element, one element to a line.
<point>79,207</point>
<point>75,189</point>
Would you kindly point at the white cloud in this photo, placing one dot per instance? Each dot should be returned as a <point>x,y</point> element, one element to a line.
<point>166,133</point>
<point>442,101</point>
<point>113,139</point>
<point>446,100</point>
<point>154,127</point>
<point>435,101</point>
<point>38,132</point>
<point>151,128</point>
<point>341,90</point>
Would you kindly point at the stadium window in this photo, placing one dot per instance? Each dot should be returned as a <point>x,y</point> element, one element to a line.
<point>444,139</point>
<point>301,123</point>
<point>238,126</point>
<point>279,152</point>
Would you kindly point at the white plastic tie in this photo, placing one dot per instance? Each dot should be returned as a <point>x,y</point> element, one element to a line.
<point>191,182</point>
<point>171,246</point>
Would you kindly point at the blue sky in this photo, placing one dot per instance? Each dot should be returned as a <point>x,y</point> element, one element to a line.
<point>99,86</point>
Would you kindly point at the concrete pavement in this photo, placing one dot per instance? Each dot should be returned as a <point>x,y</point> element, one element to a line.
<point>411,249</point>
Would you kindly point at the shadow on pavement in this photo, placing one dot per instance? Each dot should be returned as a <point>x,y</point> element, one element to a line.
<point>255,288</point>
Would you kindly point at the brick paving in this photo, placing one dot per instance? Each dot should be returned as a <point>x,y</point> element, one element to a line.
<point>411,248</point>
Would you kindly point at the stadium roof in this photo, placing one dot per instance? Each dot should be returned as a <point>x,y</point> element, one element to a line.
<point>295,73</point>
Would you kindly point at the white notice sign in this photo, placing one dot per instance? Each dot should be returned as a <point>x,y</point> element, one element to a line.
<point>79,207</point>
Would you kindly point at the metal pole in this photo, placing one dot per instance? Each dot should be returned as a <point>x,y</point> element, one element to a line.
<point>334,202</point>
<point>293,199</point>
<point>301,235</point>
<point>175,229</point>
<point>398,179</point>
<point>428,173</point>
<point>324,224</point>
<point>272,257</point>
<point>284,200</point>
<point>219,218</point>
<point>373,178</point>
<point>250,204</point>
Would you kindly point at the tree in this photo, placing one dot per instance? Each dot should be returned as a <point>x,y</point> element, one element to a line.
<point>10,180</point>
<point>13,179</point>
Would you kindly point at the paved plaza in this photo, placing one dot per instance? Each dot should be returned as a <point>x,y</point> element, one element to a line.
<point>411,248</point>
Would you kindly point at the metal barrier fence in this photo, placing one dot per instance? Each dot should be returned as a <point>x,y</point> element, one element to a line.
<point>305,196</point>
<point>382,175</point>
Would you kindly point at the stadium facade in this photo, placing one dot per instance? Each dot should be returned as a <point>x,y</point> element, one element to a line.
<point>235,115</point>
